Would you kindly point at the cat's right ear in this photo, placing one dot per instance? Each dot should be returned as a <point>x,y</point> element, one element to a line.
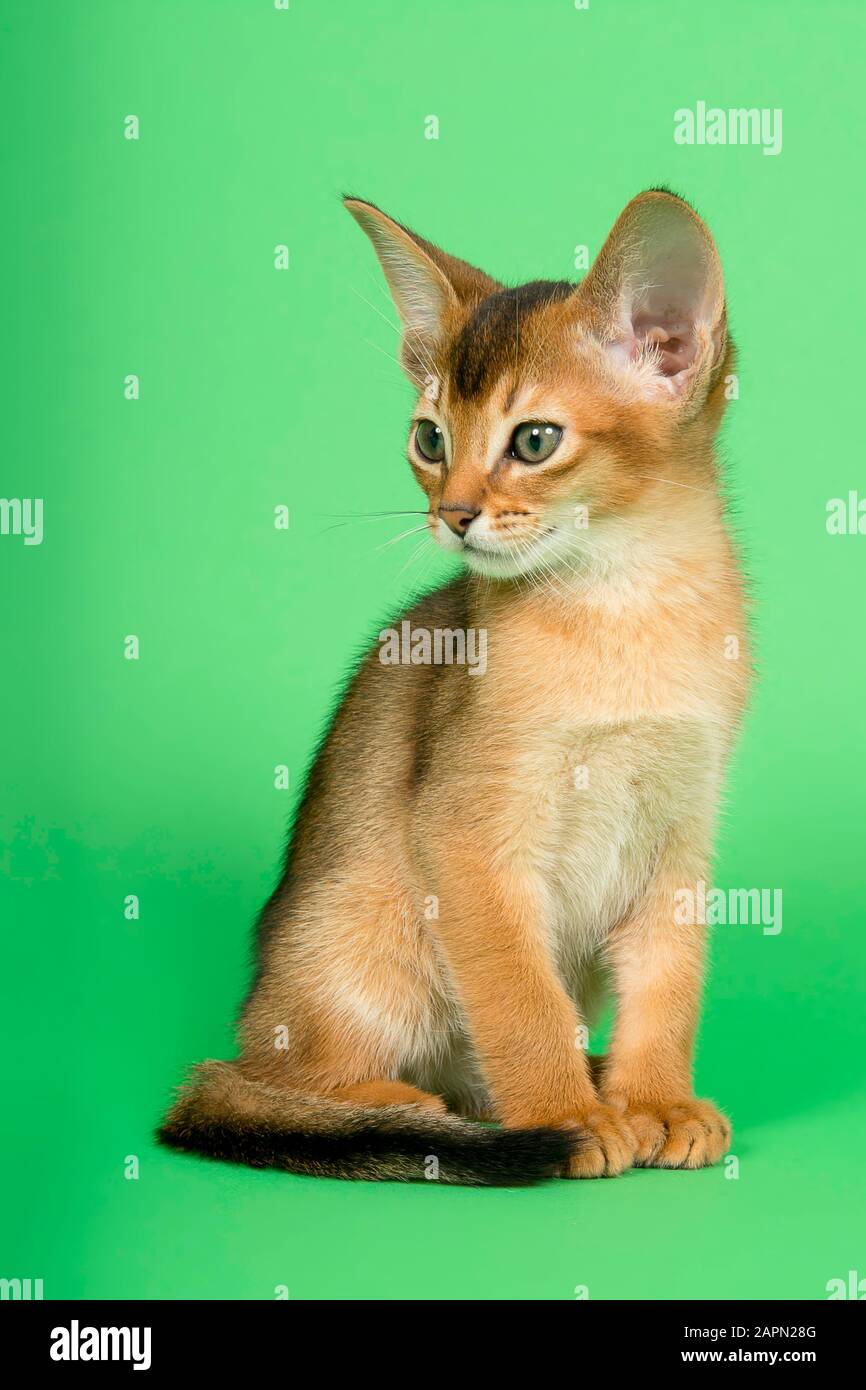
<point>432,290</point>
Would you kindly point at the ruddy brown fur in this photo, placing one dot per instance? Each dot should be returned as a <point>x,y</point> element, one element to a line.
<point>480,858</point>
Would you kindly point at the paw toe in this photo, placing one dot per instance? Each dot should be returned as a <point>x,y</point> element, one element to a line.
<point>687,1134</point>
<point>607,1148</point>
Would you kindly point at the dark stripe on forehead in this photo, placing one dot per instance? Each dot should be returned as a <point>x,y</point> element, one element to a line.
<point>486,344</point>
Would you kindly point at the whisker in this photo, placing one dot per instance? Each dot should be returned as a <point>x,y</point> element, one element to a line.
<point>433,552</point>
<point>414,555</point>
<point>419,345</point>
<point>358,518</point>
<point>651,478</point>
<point>418,384</point>
<point>376,310</point>
<point>413,531</point>
<point>421,349</point>
<point>362,516</point>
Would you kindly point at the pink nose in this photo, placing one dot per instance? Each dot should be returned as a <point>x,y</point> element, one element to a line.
<point>459,517</point>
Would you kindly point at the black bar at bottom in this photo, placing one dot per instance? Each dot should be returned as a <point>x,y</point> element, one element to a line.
<point>155,1338</point>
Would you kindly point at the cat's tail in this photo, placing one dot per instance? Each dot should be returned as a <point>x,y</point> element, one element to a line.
<point>223,1114</point>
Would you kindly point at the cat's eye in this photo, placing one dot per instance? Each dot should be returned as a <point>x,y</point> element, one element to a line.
<point>430,441</point>
<point>532,443</point>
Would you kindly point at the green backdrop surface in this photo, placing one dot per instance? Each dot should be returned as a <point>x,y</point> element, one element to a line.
<point>261,388</point>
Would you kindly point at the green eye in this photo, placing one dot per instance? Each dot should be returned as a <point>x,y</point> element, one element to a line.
<point>532,442</point>
<point>430,441</point>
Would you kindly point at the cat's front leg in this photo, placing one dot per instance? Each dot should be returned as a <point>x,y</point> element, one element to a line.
<point>524,1027</point>
<point>656,959</point>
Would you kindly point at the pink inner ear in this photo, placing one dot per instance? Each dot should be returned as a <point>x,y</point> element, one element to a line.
<point>669,298</point>
<point>656,289</point>
<point>675,341</point>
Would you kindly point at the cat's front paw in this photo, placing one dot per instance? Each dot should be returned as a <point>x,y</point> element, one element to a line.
<point>676,1134</point>
<point>607,1145</point>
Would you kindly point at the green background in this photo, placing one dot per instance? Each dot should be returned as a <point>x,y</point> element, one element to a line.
<point>262,387</point>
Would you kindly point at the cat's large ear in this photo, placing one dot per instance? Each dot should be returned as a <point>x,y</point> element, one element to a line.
<point>655,298</point>
<point>432,290</point>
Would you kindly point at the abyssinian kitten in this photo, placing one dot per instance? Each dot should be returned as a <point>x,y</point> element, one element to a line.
<point>481,856</point>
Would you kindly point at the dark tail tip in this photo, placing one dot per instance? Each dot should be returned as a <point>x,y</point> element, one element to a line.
<point>468,1154</point>
<point>513,1157</point>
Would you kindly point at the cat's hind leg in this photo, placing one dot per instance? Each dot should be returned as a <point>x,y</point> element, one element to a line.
<point>375,1093</point>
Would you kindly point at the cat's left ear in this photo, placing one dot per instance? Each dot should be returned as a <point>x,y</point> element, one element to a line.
<point>432,290</point>
<point>655,299</point>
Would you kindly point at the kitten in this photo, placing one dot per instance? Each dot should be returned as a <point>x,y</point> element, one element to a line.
<point>481,855</point>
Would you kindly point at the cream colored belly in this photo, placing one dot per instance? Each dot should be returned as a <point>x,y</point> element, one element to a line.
<point>620,790</point>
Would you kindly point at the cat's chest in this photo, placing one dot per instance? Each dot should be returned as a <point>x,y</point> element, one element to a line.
<point>609,735</point>
<point>616,746</point>
<point>597,803</point>
<point>609,668</point>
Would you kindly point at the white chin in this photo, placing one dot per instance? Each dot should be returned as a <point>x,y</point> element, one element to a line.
<point>492,565</point>
<point>502,564</point>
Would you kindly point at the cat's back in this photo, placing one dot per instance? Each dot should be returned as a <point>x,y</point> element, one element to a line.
<point>382,733</point>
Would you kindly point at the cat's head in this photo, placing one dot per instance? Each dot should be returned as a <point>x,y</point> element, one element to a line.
<point>549,409</point>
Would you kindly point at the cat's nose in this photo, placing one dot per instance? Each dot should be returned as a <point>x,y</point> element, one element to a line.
<point>459,517</point>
